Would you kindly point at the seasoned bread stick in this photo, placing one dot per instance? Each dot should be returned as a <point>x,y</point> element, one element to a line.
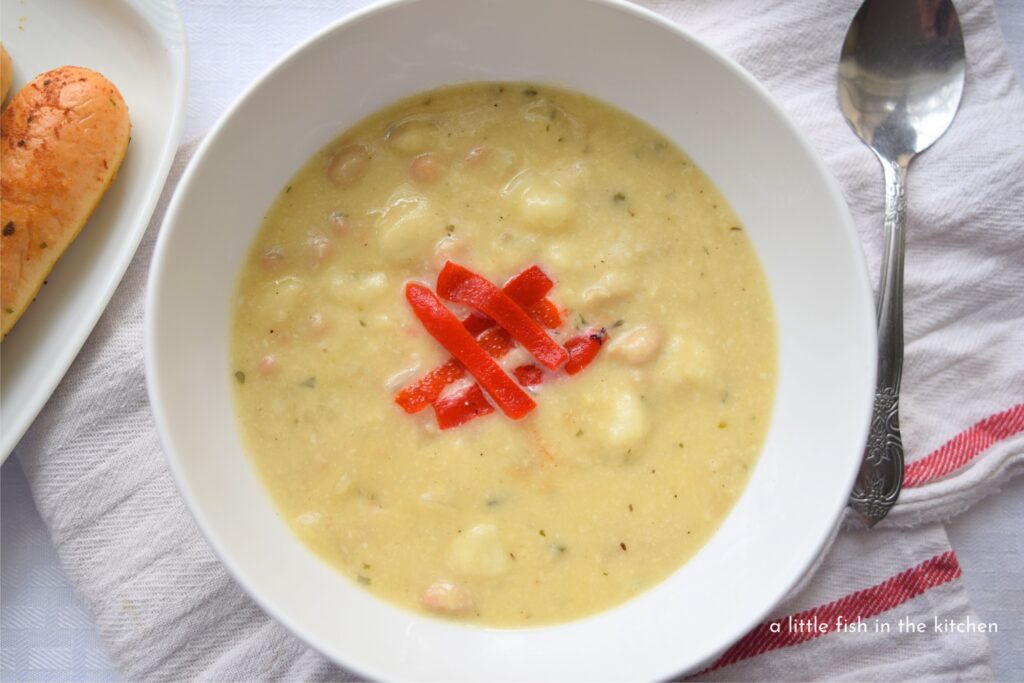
<point>64,136</point>
<point>6,73</point>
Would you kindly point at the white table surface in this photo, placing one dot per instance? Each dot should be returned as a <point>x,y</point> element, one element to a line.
<point>46,634</point>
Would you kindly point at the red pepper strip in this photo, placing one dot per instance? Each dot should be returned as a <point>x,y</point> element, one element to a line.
<point>583,349</point>
<point>496,342</point>
<point>528,286</point>
<point>460,285</point>
<point>449,332</point>
<point>461,407</point>
<point>477,323</point>
<point>529,375</point>
<point>427,388</point>
<point>543,311</point>
<point>546,313</point>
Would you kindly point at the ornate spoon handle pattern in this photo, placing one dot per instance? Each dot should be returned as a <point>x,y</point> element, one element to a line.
<point>881,474</point>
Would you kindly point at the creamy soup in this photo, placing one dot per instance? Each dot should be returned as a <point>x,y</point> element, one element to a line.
<point>634,450</point>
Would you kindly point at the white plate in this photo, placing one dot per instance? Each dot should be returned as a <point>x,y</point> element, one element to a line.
<point>140,46</point>
<point>727,123</point>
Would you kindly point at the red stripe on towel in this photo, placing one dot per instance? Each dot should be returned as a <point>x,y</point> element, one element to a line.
<point>863,604</point>
<point>965,446</point>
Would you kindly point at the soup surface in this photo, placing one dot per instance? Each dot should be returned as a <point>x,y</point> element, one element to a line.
<point>620,472</point>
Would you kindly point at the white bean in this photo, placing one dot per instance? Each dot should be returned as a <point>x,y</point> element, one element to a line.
<point>426,169</point>
<point>638,345</point>
<point>444,597</point>
<point>268,365</point>
<point>612,285</point>
<point>316,324</point>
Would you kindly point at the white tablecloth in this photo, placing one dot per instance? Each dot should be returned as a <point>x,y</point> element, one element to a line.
<point>46,635</point>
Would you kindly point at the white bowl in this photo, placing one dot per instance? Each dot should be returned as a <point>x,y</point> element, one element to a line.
<point>714,111</point>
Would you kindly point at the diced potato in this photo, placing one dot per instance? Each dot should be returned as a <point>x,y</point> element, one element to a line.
<point>408,229</point>
<point>627,423</point>
<point>595,418</point>
<point>478,552</point>
<point>627,255</point>
<point>449,248</point>
<point>685,360</point>
<point>515,251</point>
<point>488,165</point>
<point>561,256</point>
<point>374,284</point>
<point>545,207</point>
<point>355,288</point>
<point>540,203</point>
<point>413,136</point>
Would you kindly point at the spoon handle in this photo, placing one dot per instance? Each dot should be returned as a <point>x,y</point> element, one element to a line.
<point>881,473</point>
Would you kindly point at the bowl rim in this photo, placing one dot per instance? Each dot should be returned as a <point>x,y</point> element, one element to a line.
<point>351,660</point>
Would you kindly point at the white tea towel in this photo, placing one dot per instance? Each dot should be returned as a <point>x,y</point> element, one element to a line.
<point>168,610</point>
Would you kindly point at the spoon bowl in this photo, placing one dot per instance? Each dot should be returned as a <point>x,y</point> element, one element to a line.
<point>901,73</point>
<point>901,77</point>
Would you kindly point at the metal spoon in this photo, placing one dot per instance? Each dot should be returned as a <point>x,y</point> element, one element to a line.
<point>901,75</point>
